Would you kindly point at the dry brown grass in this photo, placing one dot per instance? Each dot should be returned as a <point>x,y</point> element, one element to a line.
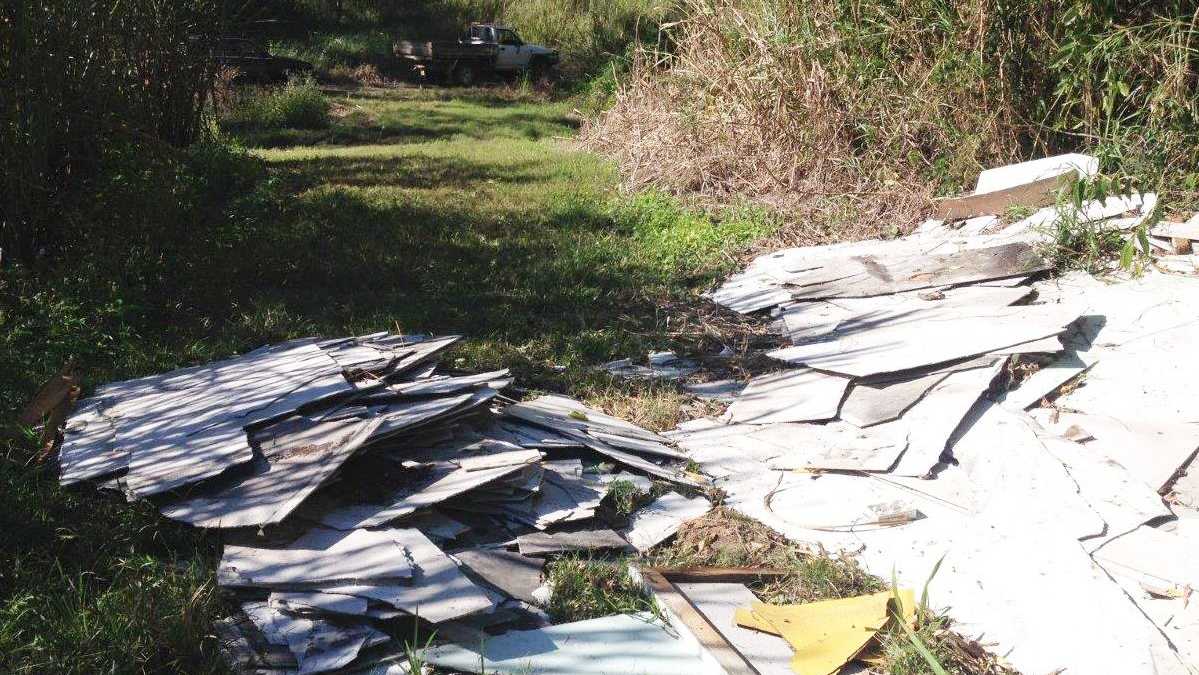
<point>849,116</point>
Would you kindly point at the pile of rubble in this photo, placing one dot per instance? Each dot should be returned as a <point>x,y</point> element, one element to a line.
<point>945,400</point>
<point>356,485</point>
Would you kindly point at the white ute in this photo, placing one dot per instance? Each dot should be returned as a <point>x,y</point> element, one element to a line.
<point>513,55</point>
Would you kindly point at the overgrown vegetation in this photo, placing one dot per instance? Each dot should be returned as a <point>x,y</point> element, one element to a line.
<point>588,588</point>
<point>299,104</point>
<point>894,102</point>
<point>79,78</point>
<point>590,35</point>
<point>1079,243</point>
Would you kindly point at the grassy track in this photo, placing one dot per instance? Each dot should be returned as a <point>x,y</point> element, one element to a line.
<point>463,211</point>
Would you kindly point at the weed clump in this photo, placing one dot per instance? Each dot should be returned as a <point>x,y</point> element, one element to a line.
<point>299,104</point>
<point>588,588</point>
<point>801,105</point>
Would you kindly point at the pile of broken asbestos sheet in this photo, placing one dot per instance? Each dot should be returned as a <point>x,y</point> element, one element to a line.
<point>357,486</point>
<point>944,397</point>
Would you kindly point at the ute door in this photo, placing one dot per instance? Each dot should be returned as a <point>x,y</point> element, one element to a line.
<point>511,52</point>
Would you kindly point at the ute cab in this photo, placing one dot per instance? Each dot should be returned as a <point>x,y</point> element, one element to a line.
<point>513,55</point>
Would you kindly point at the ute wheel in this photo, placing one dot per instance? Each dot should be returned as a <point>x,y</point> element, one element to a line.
<point>465,74</point>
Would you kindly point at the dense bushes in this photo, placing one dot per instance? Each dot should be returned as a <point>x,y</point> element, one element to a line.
<point>299,104</point>
<point>897,100</point>
<point>79,76</point>
<point>588,33</point>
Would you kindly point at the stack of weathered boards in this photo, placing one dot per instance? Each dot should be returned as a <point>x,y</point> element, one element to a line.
<point>908,427</point>
<point>365,464</point>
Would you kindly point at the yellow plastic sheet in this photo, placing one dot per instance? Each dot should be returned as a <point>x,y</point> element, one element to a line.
<point>828,634</point>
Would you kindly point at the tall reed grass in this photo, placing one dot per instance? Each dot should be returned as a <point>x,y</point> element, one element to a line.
<point>896,101</point>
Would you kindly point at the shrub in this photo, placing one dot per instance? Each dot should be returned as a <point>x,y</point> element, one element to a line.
<point>299,104</point>
<point>79,75</point>
<point>898,101</point>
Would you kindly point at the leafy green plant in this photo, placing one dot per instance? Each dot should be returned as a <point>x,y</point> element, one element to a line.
<point>921,611</point>
<point>414,651</point>
<point>1078,242</point>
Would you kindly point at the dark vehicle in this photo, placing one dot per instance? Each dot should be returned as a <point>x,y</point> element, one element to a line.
<point>484,48</point>
<point>255,64</point>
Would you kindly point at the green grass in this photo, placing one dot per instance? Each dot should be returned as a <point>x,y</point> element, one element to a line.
<point>299,104</point>
<point>466,212</point>
<point>586,588</point>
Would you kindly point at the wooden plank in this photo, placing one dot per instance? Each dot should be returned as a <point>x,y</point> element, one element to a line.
<point>733,662</point>
<point>1038,193</point>
<point>720,574</point>
<point>719,602</point>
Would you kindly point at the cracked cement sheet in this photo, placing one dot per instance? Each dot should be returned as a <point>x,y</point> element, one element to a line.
<point>661,518</point>
<point>1122,500</point>
<point>1011,175</point>
<point>564,414</point>
<point>1156,558</point>
<point>1151,450</point>
<point>930,424</point>
<point>796,395</point>
<point>870,404</point>
<point>362,555</point>
<point>438,591</point>
<point>1047,380</point>
<point>293,465</point>
<point>725,448</point>
<point>859,276</point>
<point>1130,324</point>
<point>541,543</point>
<point>809,321</point>
<point>642,446</point>
<point>1014,571</point>
<point>631,644</point>
<point>1156,569</point>
<point>89,447</point>
<point>749,292</point>
<point>405,417</point>
<point>191,426</point>
<point>318,646</point>
<point>430,485</point>
<point>577,422</point>
<point>439,386</point>
<point>566,497</point>
<point>422,351</point>
<point>316,601</point>
<point>516,575</point>
<point>716,390</point>
<point>836,446</point>
<point>929,337</point>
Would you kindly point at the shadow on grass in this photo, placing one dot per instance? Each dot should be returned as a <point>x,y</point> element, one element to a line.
<point>447,267</point>
<point>418,124</point>
<point>413,171</point>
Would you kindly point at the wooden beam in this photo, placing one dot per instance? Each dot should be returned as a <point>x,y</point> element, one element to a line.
<point>709,638</point>
<point>1034,195</point>
<point>735,575</point>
